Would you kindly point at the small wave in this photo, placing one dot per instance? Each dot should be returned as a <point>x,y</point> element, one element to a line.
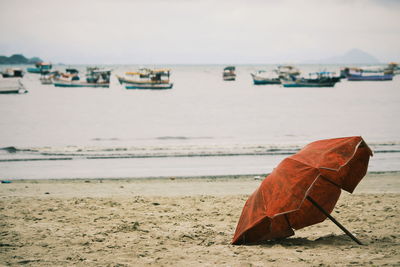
<point>172,138</point>
<point>181,138</point>
<point>105,139</point>
<point>10,149</point>
<point>387,151</point>
<point>13,153</point>
<point>33,159</point>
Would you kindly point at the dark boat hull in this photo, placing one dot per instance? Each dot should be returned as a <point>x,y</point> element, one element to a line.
<point>13,74</point>
<point>72,84</point>
<point>37,70</point>
<point>321,81</point>
<point>33,70</point>
<point>14,91</point>
<point>325,82</point>
<point>150,86</point>
<point>332,84</point>
<point>229,78</point>
<point>265,81</point>
<point>385,77</point>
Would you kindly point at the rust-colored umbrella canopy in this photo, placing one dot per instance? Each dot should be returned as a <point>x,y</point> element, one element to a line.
<point>319,171</point>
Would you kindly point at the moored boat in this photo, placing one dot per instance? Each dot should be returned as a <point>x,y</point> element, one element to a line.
<point>40,67</point>
<point>317,79</point>
<point>263,77</point>
<point>68,76</point>
<point>287,71</point>
<point>12,86</point>
<point>371,73</point>
<point>229,73</point>
<point>369,76</point>
<point>394,67</point>
<point>147,79</point>
<point>13,73</point>
<point>95,77</point>
<point>46,79</point>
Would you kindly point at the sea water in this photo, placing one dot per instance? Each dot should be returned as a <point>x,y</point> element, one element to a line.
<point>203,126</point>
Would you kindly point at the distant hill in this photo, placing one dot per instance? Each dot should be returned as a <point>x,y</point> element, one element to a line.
<point>19,59</point>
<point>353,56</point>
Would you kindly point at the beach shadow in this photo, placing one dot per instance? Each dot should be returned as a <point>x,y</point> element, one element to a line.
<point>328,240</point>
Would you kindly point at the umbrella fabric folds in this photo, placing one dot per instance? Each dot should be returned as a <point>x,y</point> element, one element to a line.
<point>289,197</point>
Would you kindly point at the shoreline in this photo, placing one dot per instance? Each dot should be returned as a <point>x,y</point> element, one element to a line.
<point>168,177</point>
<point>143,178</point>
<point>162,178</point>
<point>162,167</point>
<point>372,183</point>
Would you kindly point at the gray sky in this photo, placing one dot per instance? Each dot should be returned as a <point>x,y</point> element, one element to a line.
<point>204,31</point>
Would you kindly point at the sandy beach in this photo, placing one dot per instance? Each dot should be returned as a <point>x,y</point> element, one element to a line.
<point>184,222</point>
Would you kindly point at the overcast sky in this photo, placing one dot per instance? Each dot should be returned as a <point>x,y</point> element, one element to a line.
<point>203,31</point>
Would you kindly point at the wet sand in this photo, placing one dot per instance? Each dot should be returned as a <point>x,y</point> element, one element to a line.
<point>183,222</point>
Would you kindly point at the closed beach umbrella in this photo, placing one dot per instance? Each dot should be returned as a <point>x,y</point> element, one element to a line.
<point>303,190</point>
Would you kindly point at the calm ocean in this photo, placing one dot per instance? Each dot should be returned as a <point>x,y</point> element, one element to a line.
<point>203,126</point>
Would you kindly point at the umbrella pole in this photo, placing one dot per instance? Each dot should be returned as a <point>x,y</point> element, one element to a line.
<point>333,220</point>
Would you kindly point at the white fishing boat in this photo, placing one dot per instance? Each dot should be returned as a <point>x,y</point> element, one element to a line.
<point>12,86</point>
<point>147,79</point>
<point>95,77</point>
<point>264,77</point>
<point>285,71</point>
